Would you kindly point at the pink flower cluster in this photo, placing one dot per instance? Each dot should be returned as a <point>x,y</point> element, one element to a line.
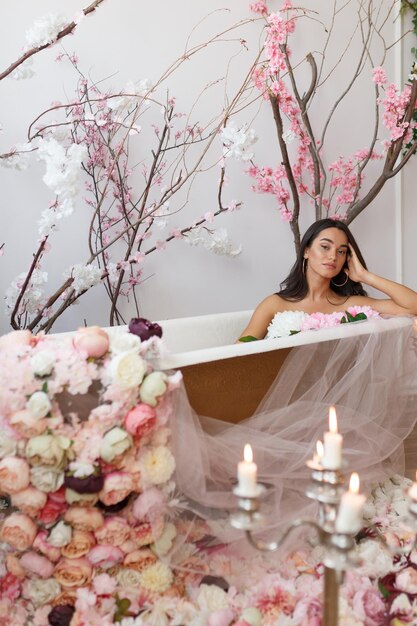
<point>315,321</point>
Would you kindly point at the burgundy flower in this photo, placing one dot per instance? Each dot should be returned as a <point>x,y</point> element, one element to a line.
<point>90,484</point>
<point>144,329</point>
<point>61,615</point>
<point>218,581</point>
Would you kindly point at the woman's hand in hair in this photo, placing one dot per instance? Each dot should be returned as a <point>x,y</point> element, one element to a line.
<point>356,270</point>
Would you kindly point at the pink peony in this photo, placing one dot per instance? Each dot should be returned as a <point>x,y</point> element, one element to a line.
<point>52,510</point>
<point>115,531</point>
<point>105,556</point>
<point>140,420</point>
<point>27,425</point>
<point>104,585</point>
<point>221,617</point>
<point>93,340</point>
<point>30,501</point>
<point>41,544</point>
<point>14,475</point>
<point>80,544</point>
<point>72,573</point>
<point>19,531</point>
<point>370,607</point>
<point>10,587</point>
<point>84,518</point>
<point>17,338</point>
<point>150,500</point>
<point>117,486</point>
<point>406,580</point>
<point>36,564</point>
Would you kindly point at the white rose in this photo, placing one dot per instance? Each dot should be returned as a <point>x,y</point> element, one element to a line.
<point>284,323</point>
<point>163,545</point>
<point>212,598</point>
<point>115,442</point>
<point>60,535</point>
<point>157,465</point>
<point>123,341</point>
<point>39,404</point>
<point>154,385</point>
<point>46,479</point>
<point>8,445</point>
<point>42,363</point>
<point>47,450</point>
<point>128,578</point>
<point>40,591</point>
<point>127,369</point>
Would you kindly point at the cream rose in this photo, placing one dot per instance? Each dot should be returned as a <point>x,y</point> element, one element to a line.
<point>40,591</point>
<point>60,534</point>
<point>127,369</point>
<point>115,442</point>
<point>154,386</point>
<point>72,573</point>
<point>157,465</point>
<point>80,544</point>
<point>42,363</point>
<point>39,404</point>
<point>48,450</point>
<point>14,474</point>
<point>121,341</point>
<point>128,578</point>
<point>46,479</point>
<point>18,531</point>
<point>139,559</point>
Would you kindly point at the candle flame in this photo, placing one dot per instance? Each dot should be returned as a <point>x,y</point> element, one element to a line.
<point>354,483</point>
<point>332,420</point>
<point>319,449</point>
<point>247,453</point>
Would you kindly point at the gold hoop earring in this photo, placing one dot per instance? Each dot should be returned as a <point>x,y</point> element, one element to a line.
<point>342,284</point>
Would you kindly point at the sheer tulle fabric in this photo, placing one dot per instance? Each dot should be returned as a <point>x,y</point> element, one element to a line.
<point>372,381</point>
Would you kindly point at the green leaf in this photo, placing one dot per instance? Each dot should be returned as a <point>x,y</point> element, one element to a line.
<point>343,320</point>
<point>383,590</point>
<point>294,332</point>
<point>45,387</point>
<point>360,316</point>
<point>248,338</point>
<point>350,317</point>
<point>123,605</point>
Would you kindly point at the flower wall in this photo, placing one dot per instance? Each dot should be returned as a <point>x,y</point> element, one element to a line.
<point>171,280</point>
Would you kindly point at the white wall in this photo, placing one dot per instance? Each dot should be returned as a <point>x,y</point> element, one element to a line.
<point>131,40</point>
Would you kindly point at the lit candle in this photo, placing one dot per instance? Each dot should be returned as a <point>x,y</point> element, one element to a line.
<point>349,517</point>
<point>332,457</point>
<point>246,474</point>
<point>318,455</point>
<point>412,492</point>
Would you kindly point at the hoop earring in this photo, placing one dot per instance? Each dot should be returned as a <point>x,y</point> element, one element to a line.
<point>304,265</point>
<point>342,284</point>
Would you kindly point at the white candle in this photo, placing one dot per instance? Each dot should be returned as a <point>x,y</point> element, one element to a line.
<point>246,474</point>
<point>349,516</point>
<point>318,455</point>
<point>332,457</point>
<point>412,492</point>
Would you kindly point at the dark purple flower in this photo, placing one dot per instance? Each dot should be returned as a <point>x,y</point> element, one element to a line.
<point>90,484</point>
<point>218,581</point>
<point>144,328</point>
<point>61,615</point>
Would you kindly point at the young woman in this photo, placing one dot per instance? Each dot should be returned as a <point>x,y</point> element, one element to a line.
<point>326,277</point>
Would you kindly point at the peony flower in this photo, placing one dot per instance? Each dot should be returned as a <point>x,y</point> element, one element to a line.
<point>41,545</point>
<point>88,484</point>
<point>285,323</point>
<point>139,559</point>
<point>115,531</point>
<point>157,465</point>
<point>37,564</point>
<point>157,577</point>
<point>19,531</point>
<point>152,500</point>
<point>211,598</point>
<point>252,616</point>
<point>121,341</point>
<point>16,338</point>
<point>48,450</point>
<point>154,386</point>
<point>128,578</point>
<point>406,580</point>
<point>42,363</point>
<point>61,615</point>
<point>92,340</point>
<point>41,591</point>
<point>370,607</point>
<point>117,486</point>
<point>14,474</point>
<point>140,420</point>
<point>84,518</point>
<point>221,617</point>
<point>46,479</point>
<point>104,585</point>
<point>73,572</point>
<point>27,425</point>
<point>53,509</point>
<point>8,444</point>
<point>30,501</point>
<point>164,543</point>
<point>73,497</point>
<point>115,442</point>
<point>127,369</point>
<point>105,556</point>
<point>39,404</point>
<point>60,535</point>
<point>144,329</point>
<point>80,544</point>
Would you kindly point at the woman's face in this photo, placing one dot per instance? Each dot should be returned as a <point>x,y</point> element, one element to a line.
<point>328,252</point>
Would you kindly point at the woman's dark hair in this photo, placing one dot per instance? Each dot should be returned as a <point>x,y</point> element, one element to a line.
<point>295,286</point>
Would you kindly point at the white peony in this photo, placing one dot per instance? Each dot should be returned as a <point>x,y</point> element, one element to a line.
<point>39,591</point>
<point>46,479</point>
<point>284,323</point>
<point>39,404</point>
<point>81,469</point>
<point>60,535</point>
<point>401,604</point>
<point>49,450</point>
<point>122,341</point>
<point>127,369</point>
<point>376,562</point>
<point>42,363</point>
<point>212,598</point>
<point>252,616</point>
<point>115,442</point>
<point>157,465</point>
<point>154,386</point>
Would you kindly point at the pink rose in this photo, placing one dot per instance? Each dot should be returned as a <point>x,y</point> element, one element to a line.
<point>146,533</point>
<point>30,501</point>
<point>93,340</point>
<point>52,510</point>
<point>406,580</point>
<point>85,518</point>
<point>13,566</point>
<point>72,573</point>
<point>221,617</point>
<point>27,425</point>
<point>80,544</point>
<point>16,338</point>
<point>14,474</point>
<point>104,585</point>
<point>36,564</point>
<point>151,500</point>
<point>105,556</point>
<point>139,559</point>
<point>10,587</point>
<point>115,531</point>
<point>140,420</point>
<point>370,607</point>
<point>41,544</point>
<point>117,486</point>
<point>19,531</point>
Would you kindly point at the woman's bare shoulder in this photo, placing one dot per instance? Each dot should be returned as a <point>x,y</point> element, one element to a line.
<point>263,314</point>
